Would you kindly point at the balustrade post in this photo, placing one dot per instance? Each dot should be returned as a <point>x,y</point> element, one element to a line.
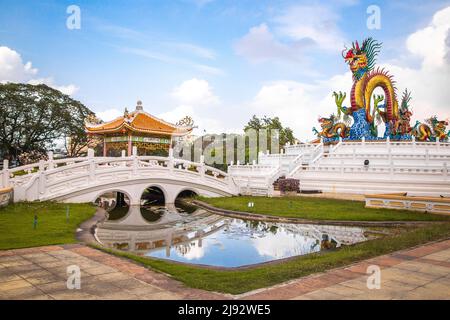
<point>363,141</point>
<point>42,176</point>
<point>427,156</point>
<point>445,170</point>
<point>202,166</point>
<point>135,160</point>
<point>51,164</point>
<point>123,154</point>
<point>91,165</point>
<point>391,166</point>
<point>438,143</point>
<point>5,173</point>
<point>413,139</point>
<point>170,162</point>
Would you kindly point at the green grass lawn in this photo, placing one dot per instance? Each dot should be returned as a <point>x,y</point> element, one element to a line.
<point>317,208</point>
<point>243,280</point>
<point>16,223</point>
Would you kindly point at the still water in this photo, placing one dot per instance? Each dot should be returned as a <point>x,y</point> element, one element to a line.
<point>197,236</point>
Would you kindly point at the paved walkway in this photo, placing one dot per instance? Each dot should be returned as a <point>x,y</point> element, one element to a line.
<point>40,273</point>
<point>418,273</point>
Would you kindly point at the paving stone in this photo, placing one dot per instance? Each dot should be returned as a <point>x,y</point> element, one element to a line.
<point>323,295</point>
<point>159,296</point>
<point>421,267</point>
<point>8,276</point>
<point>14,284</point>
<point>99,270</point>
<point>21,293</point>
<point>344,291</point>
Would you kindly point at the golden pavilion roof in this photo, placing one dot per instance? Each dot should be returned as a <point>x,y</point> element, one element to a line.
<point>138,121</point>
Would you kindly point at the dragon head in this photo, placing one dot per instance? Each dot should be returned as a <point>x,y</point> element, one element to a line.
<point>326,122</point>
<point>361,59</point>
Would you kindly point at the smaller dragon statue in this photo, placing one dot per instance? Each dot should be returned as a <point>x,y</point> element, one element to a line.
<point>402,126</point>
<point>432,130</point>
<point>332,128</point>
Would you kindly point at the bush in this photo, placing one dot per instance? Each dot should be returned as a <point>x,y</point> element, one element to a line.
<point>289,185</point>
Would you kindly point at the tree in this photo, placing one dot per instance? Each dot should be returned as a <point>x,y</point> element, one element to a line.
<point>32,117</point>
<point>285,133</point>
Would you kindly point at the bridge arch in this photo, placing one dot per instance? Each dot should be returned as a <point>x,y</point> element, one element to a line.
<point>165,194</point>
<point>186,191</point>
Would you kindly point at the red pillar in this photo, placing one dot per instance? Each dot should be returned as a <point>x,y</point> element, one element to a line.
<point>104,147</point>
<point>130,148</point>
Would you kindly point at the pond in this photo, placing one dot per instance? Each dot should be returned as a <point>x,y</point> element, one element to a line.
<point>196,236</point>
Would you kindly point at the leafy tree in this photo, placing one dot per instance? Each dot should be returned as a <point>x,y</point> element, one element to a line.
<point>285,133</point>
<point>32,117</point>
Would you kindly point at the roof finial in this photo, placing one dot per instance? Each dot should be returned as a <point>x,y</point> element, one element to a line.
<point>139,106</point>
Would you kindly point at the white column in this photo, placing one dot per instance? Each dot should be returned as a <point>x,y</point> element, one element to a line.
<point>51,165</point>
<point>445,170</point>
<point>5,173</point>
<point>42,176</point>
<point>170,162</point>
<point>91,165</point>
<point>135,160</point>
<point>202,166</point>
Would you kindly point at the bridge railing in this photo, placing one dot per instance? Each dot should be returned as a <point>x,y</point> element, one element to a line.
<point>54,172</point>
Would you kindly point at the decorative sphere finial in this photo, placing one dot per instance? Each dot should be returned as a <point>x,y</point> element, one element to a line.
<point>139,105</point>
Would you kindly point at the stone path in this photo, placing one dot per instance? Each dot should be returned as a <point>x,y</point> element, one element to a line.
<point>40,273</point>
<point>418,273</point>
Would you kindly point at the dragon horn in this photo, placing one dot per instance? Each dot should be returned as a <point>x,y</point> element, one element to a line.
<point>342,53</point>
<point>357,46</point>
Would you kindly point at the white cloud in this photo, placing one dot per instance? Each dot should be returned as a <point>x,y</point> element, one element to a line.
<point>193,49</point>
<point>195,92</point>
<point>69,89</point>
<point>431,43</point>
<point>12,69</point>
<point>109,114</point>
<point>296,29</point>
<point>316,23</point>
<point>430,82</point>
<point>167,58</point>
<point>195,98</point>
<point>260,45</point>
<point>298,105</point>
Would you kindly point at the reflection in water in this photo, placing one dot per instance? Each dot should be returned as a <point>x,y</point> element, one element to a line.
<point>205,238</point>
<point>116,204</point>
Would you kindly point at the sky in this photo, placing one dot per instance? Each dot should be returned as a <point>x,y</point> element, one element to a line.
<point>220,62</point>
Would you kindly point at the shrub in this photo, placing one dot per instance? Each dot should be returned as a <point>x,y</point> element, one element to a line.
<point>289,185</point>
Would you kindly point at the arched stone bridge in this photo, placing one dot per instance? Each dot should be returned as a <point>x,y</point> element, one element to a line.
<point>84,179</point>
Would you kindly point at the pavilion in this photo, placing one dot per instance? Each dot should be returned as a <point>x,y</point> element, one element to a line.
<point>151,135</point>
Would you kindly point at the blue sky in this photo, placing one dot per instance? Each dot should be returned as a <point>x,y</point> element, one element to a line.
<point>222,61</point>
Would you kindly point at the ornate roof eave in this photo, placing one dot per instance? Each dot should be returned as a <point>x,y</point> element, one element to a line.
<point>177,132</point>
<point>127,123</point>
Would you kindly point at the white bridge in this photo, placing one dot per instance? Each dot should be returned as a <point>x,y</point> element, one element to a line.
<point>84,179</point>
